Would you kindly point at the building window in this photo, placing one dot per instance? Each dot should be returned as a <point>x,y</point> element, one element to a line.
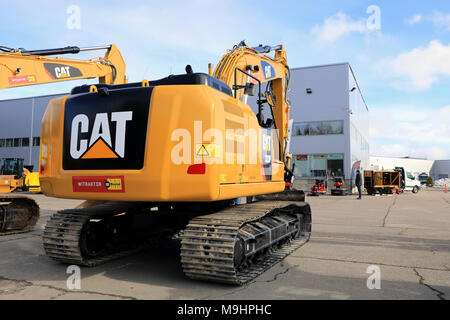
<point>9,143</point>
<point>317,128</point>
<point>17,142</point>
<point>319,165</point>
<point>36,141</point>
<point>25,142</point>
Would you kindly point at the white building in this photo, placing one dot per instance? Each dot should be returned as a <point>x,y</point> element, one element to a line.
<point>414,165</point>
<point>331,122</point>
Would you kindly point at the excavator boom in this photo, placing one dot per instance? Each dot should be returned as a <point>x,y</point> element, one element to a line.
<point>29,67</point>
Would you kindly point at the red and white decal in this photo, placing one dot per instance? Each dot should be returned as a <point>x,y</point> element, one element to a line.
<point>22,79</point>
<point>98,184</point>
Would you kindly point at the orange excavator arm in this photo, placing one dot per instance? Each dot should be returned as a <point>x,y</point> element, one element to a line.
<point>240,66</point>
<point>20,67</point>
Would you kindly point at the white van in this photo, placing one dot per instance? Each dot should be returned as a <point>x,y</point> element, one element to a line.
<point>410,182</point>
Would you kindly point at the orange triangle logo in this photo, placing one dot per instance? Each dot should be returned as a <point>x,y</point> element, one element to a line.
<point>99,150</point>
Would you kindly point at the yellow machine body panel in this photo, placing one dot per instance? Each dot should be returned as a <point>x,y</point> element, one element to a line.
<point>181,143</point>
<point>9,183</point>
<point>32,182</point>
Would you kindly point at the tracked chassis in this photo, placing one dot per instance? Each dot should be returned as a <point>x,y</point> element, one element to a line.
<point>233,245</point>
<point>238,244</point>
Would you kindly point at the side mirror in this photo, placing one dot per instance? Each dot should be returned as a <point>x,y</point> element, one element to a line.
<point>265,124</point>
<point>250,89</point>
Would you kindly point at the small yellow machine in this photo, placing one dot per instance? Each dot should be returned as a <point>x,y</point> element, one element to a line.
<point>19,67</point>
<point>179,153</point>
<point>382,182</point>
<point>12,175</point>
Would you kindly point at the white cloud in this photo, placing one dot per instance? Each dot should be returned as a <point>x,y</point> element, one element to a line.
<point>337,26</point>
<point>421,67</point>
<point>415,19</point>
<point>407,131</point>
<point>441,20</point>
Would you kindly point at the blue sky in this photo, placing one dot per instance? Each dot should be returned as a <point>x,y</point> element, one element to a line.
<point>403,68</point>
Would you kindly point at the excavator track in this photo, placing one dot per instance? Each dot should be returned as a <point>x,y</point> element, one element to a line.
<point>238,244</point>
<point>66,232</point>
<point>18,214</point>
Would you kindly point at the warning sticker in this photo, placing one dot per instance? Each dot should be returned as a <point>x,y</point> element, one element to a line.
<point>207,150</point>
<point>98,184</point>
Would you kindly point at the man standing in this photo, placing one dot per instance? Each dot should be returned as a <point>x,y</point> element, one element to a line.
<point>358,182</point>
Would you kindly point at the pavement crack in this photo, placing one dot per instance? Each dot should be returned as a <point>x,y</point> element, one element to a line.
<point>274,278</point>
<point>388,211</point>
<point>371,263</point>
<point>26,283</point>
<point>439,294</point>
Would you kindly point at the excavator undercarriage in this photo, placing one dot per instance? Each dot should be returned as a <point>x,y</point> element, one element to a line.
<point>18,214</point>
<point>173,159</point>
<point>232,244</point>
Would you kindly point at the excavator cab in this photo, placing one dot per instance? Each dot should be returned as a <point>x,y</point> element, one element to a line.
<point>11,166</point>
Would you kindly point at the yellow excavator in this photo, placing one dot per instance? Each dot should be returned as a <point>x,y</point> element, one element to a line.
<point>20,67</point>
<point>182,155</point>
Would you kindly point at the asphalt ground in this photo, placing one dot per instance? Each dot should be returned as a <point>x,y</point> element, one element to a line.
<point>404,237</point>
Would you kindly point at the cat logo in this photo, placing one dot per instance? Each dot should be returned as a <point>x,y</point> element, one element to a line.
<point>106,132</point>
<point>61,71</point>
<point>100,144</point>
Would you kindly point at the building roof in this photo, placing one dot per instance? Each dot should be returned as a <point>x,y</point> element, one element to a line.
<point>322,65</point>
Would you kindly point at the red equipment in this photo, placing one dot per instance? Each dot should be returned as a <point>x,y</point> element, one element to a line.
<point>318,188</point>
<point>339,188</point>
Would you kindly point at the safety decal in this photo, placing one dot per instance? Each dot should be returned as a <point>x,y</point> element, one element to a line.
<point>207,150</point>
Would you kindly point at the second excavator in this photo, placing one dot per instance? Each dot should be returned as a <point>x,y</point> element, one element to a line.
<point>184,154</point>
<point>20,67</point>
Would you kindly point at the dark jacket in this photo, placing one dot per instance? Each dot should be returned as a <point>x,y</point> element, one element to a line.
<point>358,180</point>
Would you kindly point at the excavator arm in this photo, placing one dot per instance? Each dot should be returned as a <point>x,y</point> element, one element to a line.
<point>29,67</point>
<point>243,68</point>
<point>19,67</point>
